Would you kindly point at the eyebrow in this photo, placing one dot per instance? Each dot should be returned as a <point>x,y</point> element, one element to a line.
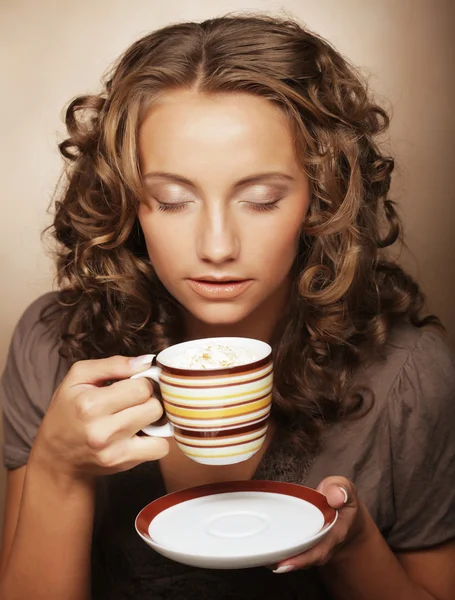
<point>257,178</point>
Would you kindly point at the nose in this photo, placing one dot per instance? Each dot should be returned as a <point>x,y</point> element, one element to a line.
<point>217,239</point>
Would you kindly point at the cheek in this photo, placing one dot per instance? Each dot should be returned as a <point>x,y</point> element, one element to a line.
<point>277,244</point>
<point>163,244</point>
<point>147,230</point>
<point>281,254</point>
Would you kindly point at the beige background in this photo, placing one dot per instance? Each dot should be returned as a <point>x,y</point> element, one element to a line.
<point>53,50</point>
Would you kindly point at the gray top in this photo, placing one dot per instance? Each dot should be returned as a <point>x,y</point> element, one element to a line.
<point>400,455</point>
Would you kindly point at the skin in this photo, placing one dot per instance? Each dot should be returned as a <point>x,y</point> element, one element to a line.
<point>219,227</point>
<point>213,142</point>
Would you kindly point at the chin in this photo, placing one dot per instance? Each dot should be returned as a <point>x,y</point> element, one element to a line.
<point>220,314</point>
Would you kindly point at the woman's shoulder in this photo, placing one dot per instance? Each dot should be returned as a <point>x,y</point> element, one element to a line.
<point>412,428</point>
<point>35,343</point>
<point>416,364</point>
<point>31,322</point>
<point>408,392</point>
<point>34,368</point>
<point>34,352</point>
<point>401,453</point>
<point>421,397</point>
<point>36,340</point>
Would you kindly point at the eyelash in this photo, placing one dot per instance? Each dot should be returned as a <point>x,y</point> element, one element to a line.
<point>171,207</point>
<point>265,207</point>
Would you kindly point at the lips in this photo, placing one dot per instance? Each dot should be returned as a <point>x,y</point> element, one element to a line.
<point>225,288</point>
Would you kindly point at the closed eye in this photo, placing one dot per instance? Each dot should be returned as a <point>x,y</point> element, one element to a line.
<point>264,206</point>
<point>174,206</point>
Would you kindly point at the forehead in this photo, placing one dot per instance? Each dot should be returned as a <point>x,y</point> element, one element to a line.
<point>189,131</point>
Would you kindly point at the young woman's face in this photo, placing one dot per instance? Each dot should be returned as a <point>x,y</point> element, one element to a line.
<point>225,199</point>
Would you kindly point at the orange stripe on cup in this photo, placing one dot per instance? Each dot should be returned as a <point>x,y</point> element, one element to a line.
<point>245,392</point>
<point>218,413</point>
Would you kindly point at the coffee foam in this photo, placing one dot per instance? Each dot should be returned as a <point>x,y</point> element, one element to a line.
<point>212,356</point>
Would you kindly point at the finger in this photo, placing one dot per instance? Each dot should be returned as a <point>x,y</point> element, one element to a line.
<point>339,491</point>
<point>126,393</point>
<point>316,556</point>
<point>126,454</point>
<point>93,403</point>
<point>128,422</point>
<point>103,369</point>
<point>110,430</point>
<point>143,449</point>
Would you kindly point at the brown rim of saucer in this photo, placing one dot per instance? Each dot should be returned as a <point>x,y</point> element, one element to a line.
<point>152,510</point>
<point>245,368</point>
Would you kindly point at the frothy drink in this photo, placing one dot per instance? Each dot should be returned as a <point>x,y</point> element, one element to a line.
<point>212,356</point>
<point>217,396</point>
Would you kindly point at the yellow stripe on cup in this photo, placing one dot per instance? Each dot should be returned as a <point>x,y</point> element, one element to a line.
<point>217,413</point>
<point>244,392</point>
<point>215,423</point>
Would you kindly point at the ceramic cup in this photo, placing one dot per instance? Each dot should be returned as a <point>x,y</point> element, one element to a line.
<point>217,416</point>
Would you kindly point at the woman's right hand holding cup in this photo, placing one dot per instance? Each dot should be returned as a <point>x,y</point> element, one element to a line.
<point>90,428</point>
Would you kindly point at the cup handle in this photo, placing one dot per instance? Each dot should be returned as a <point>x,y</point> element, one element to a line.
<point>162,431</point>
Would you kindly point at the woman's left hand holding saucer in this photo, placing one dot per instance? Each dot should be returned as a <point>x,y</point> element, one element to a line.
<point>347,531</point>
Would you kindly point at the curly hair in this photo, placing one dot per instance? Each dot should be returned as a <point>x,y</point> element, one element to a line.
<point>347,295</point>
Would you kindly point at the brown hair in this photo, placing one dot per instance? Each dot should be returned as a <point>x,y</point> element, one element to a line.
<point>347,296</point>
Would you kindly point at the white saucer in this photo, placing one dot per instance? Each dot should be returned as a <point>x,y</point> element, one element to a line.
<point>237,524</point>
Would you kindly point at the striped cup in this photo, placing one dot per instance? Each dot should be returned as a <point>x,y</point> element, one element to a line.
<point>217,416</point>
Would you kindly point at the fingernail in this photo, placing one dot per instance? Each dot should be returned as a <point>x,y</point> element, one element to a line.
<point>346,497</point>
<point>284,569</point>
<point>142,361</point>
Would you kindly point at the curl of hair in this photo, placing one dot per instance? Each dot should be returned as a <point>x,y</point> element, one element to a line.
<point>346,296</point>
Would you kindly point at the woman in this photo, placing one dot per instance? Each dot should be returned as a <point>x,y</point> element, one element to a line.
<point>237,149</point>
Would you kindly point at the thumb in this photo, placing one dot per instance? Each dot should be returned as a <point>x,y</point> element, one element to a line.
<point>339,491</point>
<point>105,369</point>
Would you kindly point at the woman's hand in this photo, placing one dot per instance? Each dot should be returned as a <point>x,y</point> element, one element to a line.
<point>90,428</point>
<point>349,528</point>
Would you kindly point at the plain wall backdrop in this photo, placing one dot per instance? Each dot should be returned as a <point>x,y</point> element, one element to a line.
<point>53,50</point>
